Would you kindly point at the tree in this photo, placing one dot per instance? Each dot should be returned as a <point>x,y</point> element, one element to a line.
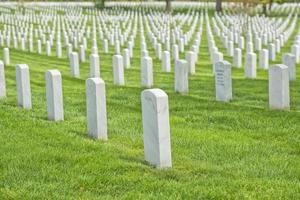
<point>219,5</point>
<point>99,3</point>
<point>168,5</point>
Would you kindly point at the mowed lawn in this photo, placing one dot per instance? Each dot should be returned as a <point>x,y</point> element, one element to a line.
<point>236,150</point>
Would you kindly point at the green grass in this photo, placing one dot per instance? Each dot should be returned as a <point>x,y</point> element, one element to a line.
<point>236,150</point>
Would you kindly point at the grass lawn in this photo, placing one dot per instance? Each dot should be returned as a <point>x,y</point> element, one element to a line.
<point>236,150</point>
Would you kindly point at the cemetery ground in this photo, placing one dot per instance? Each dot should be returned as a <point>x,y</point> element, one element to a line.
<point>235,150</point>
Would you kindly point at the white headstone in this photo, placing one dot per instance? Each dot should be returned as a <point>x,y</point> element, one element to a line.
<point>105,46</point>
<point>54,95</point>
<point>258,44</point>
<point>237,58</point>
<point>147,72</point>
<point>6,58</point>
<point>217,56</point>
<point>175,52</point>
<point>118,69</point>
<point>289,60</point>
<point>74,64</point>
<point>2,81</point>
<point>48,48</point>
<point>191,60</point>
<point>296,52</point>
<point>181,76</point>
<point>250,65</point>
<point>96,108</point>
<point>230,48</point>
<point>58,50</point>
<point>166,62</point>
<point>264,59</point>
<point>39,47</point>
<point>156,125</point>
<point>126,58</point>
<point>82,53</point>
<point>94,66</point>
<point>272,52</point>
<point>223,81</point>
<point>279,94</point>
<point>23,86</point>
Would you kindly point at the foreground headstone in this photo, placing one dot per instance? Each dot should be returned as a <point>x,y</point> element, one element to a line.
<point>147,72</point>
<point>289,60</point>
<point>54,95</point>
<point>279,94</point>
<point>2,81</point>
<point>156,126</point>
<point>74,64</point>
<point>118,69</point>
<point>96,108</point>
<point>223,81</point>
<point>94,66</point>
<point>6,58</point>
<point>23,86</point>
<point>181,76</point>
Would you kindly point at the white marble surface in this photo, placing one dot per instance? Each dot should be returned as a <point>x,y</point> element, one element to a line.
<point>48,48</point>
<point>94,66</point>
<point>118,70</point>
<point>296,52</point>
<point>258,44</point>
<point>264,59</point>
<point>126,58</point>
<point>6,57</point>
<point>105,46</point>
<point>156,126</point>
<point>166,62</point>
<point>237,58</point>
<point>39,46</point>
<point>54,95</point>
<point>147,72</point>
<point>82,53</point>
<point>289,60</point>
<point>96,108</point>
<point>272,52</point>
<point>217,56</point>
<point>175,52</point>
<point>23,86</point>
<point>223,81</point>
<point>74,64</point>
<point>250,65</point>
<point>58,50</point>
<point>230,48</point>
<point>279,94</point>
<point>2,81</point>
<point>191,60</point>
<point>181,76</point>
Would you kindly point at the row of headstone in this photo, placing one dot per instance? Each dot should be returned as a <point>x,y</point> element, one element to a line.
<point>279,77</point>
<point>156,126</point>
